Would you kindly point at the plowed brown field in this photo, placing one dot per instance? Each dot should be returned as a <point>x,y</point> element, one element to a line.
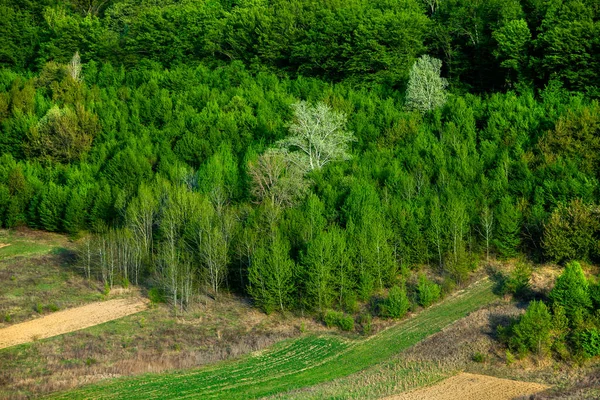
<point>473,387</point>
<point>69,320</point>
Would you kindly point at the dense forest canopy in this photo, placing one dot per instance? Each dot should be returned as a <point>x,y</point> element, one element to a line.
<point>306,153</point>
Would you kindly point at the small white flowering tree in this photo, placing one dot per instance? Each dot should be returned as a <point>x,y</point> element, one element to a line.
<point>426,89</point>
<point>318,136</point>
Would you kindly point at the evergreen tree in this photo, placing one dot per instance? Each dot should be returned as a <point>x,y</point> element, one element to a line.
<point>271,275</point>
<point>508,228</point>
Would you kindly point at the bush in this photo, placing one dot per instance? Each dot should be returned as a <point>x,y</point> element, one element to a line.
<point>365,320</point>
<point>397,303</point>
<point>156,295</point>
<point>517,283</point>
<point>332,317</point>
<point>428,292</point>
<point>479,357</point>
<point>339,319</point>
<point>346,323</point>
<point>510,358</point>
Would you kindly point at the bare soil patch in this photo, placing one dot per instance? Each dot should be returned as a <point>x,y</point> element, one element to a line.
<point>466,386</point>
<point>69,320</point>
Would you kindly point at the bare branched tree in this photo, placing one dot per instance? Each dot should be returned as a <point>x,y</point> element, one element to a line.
<point>486,221</point>
<point>276,179</point>
<point>74,67</point>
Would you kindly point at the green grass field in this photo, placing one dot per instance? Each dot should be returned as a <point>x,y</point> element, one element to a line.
<point>294,363</point>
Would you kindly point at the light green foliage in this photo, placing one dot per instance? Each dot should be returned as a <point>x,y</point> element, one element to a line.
<point>508,232</point>
<point>397,303</point>
<point>428,292</point>
<point>571,290</point>
<point>64,135</point>
<point>518,281</point>
<point>339,319</point>
<point>271,274</point>
<point>533,330</point>
<point>426,89</point>
<point>513,39</point>
<point>319,263</point>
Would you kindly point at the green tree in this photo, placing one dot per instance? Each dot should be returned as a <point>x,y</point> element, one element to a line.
<point>63,135</point>
<point>271,275</point>
<point>319,262</point>
<point>571,291</point>
<point>533,330</point>
<point>514,40</point>
<point>571,232</point>
<point>508,228</point>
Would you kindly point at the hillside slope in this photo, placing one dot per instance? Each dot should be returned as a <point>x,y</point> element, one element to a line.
<point>295,363</point>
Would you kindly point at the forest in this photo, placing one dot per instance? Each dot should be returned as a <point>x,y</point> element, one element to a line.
<point>309,154</point>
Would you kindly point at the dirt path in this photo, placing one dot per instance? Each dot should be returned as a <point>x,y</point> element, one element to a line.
<point>70,320</point>
<point>473,387</point>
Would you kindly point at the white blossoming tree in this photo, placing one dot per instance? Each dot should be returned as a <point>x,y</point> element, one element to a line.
<point>318,136</point>
<point>426,89</point>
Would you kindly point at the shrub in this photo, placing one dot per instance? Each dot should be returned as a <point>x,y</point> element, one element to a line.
<point>331,318</point>
<point>156,295</point>
<point>397,303</point>
<point>510,358</point>
<point>365,320</point>
<point>336,318</point>
<point>428,292</point>
<point>346,323</point>
<point>479,357</point>
<point>517,283</point>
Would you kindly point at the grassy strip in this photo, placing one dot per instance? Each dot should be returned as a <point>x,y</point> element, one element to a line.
<point>292,364</point>
<point>393,376</point>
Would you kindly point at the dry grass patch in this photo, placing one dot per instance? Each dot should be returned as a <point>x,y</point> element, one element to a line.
<point>466,386</point>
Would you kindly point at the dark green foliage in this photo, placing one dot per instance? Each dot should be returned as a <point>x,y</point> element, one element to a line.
<point>571,232</point>
<point>589,340</point>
